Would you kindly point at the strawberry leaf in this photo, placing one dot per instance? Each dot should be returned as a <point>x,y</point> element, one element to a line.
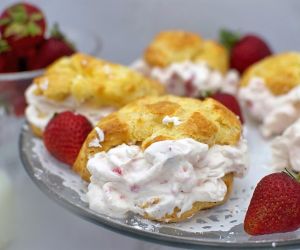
<point>4,21</point>
<point>20,24</point>
<point>207,93</point>
<point>228,38</point>
<point>18,13</point>
<point>36,17</point>
<point>55,32</point>
<point>4,46</point>
<point>14,29</point>
<point>292,174</point>
<point>33,29</point>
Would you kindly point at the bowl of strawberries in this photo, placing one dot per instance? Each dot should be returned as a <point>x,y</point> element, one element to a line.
<point>27,46</point>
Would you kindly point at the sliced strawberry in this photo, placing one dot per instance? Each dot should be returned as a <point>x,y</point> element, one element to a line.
<point>65,134</point>
<point>230,102</point>
<point>275,206</point>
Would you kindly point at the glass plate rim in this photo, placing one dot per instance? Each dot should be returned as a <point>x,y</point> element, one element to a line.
<point>165,239</point>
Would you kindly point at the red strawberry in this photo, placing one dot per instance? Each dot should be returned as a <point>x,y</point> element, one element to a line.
<point>65,134</point>
<point>230,102</point>
<point>23,25</point>
<point>275,206</point>
<point>245,51</point>
<point>8,60</point>
<point>52,49</point>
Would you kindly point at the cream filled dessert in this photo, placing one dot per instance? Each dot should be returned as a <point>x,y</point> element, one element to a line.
<point>177,173</point>
<point>275,113</point>
<point>40,109</point>
<point>187,65</point>
<point>191,79</point>
<point>165,158</point>
<point>85,85</point>
<point>286,148</point>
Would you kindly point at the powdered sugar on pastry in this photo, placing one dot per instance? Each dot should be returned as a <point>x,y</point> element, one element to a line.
<point>96,141</point>
<point>190,79</point>
<point>171,120</point>
<point>275,113</point>
<point>40,109</point>
<point>168,174</point>
<point>286,148</point>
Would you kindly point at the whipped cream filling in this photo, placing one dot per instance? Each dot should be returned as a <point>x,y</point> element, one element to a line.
<point>168,174</point>
<point>190,79</point>
<point>286,148</point>
<point>275,113</point>
<point>40,109</point>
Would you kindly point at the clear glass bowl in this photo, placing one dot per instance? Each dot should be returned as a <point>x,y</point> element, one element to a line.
<point>13,85</point>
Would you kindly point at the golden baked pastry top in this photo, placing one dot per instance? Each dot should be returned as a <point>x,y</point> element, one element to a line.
<point>280,72</point>
<point>140,123</point>
<point>94,81</point>
<point>176,46</point>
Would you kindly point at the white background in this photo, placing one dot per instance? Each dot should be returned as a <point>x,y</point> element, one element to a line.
<point>125,27</point>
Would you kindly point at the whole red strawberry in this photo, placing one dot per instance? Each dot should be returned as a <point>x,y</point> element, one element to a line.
<point>230,102</point>
<point>244,51</point>
<point>275,206</point>
<point>23,25</point>
<point>8,60</point>
<point>65,134</point>
<point>51,49</point>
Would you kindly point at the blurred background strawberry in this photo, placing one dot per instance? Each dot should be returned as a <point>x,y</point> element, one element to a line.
<point>23,26</point>
<point>25,43</point>
<point>244,50</point>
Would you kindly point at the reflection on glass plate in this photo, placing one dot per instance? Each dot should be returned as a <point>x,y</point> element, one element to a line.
<point>219,226</point>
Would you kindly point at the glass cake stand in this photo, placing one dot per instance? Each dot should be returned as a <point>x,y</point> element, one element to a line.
<point>217,227</point>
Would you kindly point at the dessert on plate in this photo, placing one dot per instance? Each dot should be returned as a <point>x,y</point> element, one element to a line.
<point>85,85</point>
<point>187,64</point>
<point>270,91</point>
<point>164,158</point>
<point>285,149</point>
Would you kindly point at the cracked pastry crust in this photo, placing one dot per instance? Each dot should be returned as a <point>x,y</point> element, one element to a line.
<point>94,81</point>
<point>140,123</point>
<point>280,72</point>
<point>175,46</point>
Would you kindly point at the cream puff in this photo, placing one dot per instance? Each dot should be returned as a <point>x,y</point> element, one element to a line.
<point>188,65</point>
<point>285,149</point>
<point>164,158</point>
<point>270,91</point>
<point>85,85</point>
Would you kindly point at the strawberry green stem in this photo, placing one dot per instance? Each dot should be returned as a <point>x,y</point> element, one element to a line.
<point>20,24</point>
<point>292,174</point>
<point>229,38</point>
<point>58,34</point>
<point>4,47</point>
